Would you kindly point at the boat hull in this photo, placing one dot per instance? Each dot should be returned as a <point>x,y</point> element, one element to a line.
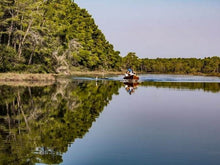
<point>131,83</point>
<point>133,77</point>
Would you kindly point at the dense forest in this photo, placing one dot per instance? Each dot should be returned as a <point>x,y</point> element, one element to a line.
<point>51,36</point>
<point>209,65</point>
<point>57,36</point>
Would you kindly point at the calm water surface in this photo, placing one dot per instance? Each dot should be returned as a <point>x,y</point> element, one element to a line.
<point>160,120</point>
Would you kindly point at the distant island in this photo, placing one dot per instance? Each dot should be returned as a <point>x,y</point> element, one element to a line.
<point>59,37</point>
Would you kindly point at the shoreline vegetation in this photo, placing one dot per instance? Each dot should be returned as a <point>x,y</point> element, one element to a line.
<point>26,83</point>
<point>18,77</point>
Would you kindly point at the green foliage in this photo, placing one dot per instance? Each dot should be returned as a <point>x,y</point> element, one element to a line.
<point>42,36</point>
<point>210,65</point>
<point>8,60</point>
<point>131,61</point>
<point>52,36</point>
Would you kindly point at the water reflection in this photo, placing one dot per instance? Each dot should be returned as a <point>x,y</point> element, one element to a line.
<point>130,87</point>
<point>207,87</point>
<point>38,123</point>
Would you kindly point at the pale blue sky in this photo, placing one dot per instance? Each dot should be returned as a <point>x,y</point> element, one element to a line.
<point>159,28</point>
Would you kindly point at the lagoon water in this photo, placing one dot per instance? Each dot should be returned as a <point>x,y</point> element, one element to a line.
<point>163,119</point>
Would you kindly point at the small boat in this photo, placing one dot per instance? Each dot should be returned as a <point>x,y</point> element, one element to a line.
<point>131,77</point>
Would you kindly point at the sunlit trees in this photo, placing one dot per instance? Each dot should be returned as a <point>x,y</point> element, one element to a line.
<point>131,61</point>
<point>51,35</point>
<point>208,65</point>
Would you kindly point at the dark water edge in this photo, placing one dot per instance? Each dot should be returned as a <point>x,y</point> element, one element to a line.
<point>39,124</point>
<point>207,87</point>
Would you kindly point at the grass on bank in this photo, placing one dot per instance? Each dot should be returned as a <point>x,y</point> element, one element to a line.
<point>26,77</point>
<point>49,77</point>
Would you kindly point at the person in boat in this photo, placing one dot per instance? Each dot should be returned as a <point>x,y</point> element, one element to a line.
<point>130,72</point>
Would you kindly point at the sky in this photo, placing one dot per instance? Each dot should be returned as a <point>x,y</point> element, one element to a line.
<point>159,28</point>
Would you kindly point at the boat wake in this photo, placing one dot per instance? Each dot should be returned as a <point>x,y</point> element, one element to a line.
<point>158,78</point>
<point>178,78</point>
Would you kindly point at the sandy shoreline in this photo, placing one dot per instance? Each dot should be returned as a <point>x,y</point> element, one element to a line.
<point>26,77</point>
<point>18,77</point>
<point>96,73</point>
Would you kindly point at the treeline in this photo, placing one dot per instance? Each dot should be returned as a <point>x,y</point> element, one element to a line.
<point>56,36</point>
<point>209,65</point>
<point>51,36</point>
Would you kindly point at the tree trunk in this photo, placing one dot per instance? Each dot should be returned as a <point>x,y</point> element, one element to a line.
<point>22,112</point>
<point>22,42</point>
<point>30,59</point>
<point>0,38</point>
<point>9,33</point>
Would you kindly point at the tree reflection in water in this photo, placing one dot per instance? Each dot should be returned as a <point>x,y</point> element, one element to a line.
<point>207,87</point>
<point>131,87</point>
<point>37,124</point>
